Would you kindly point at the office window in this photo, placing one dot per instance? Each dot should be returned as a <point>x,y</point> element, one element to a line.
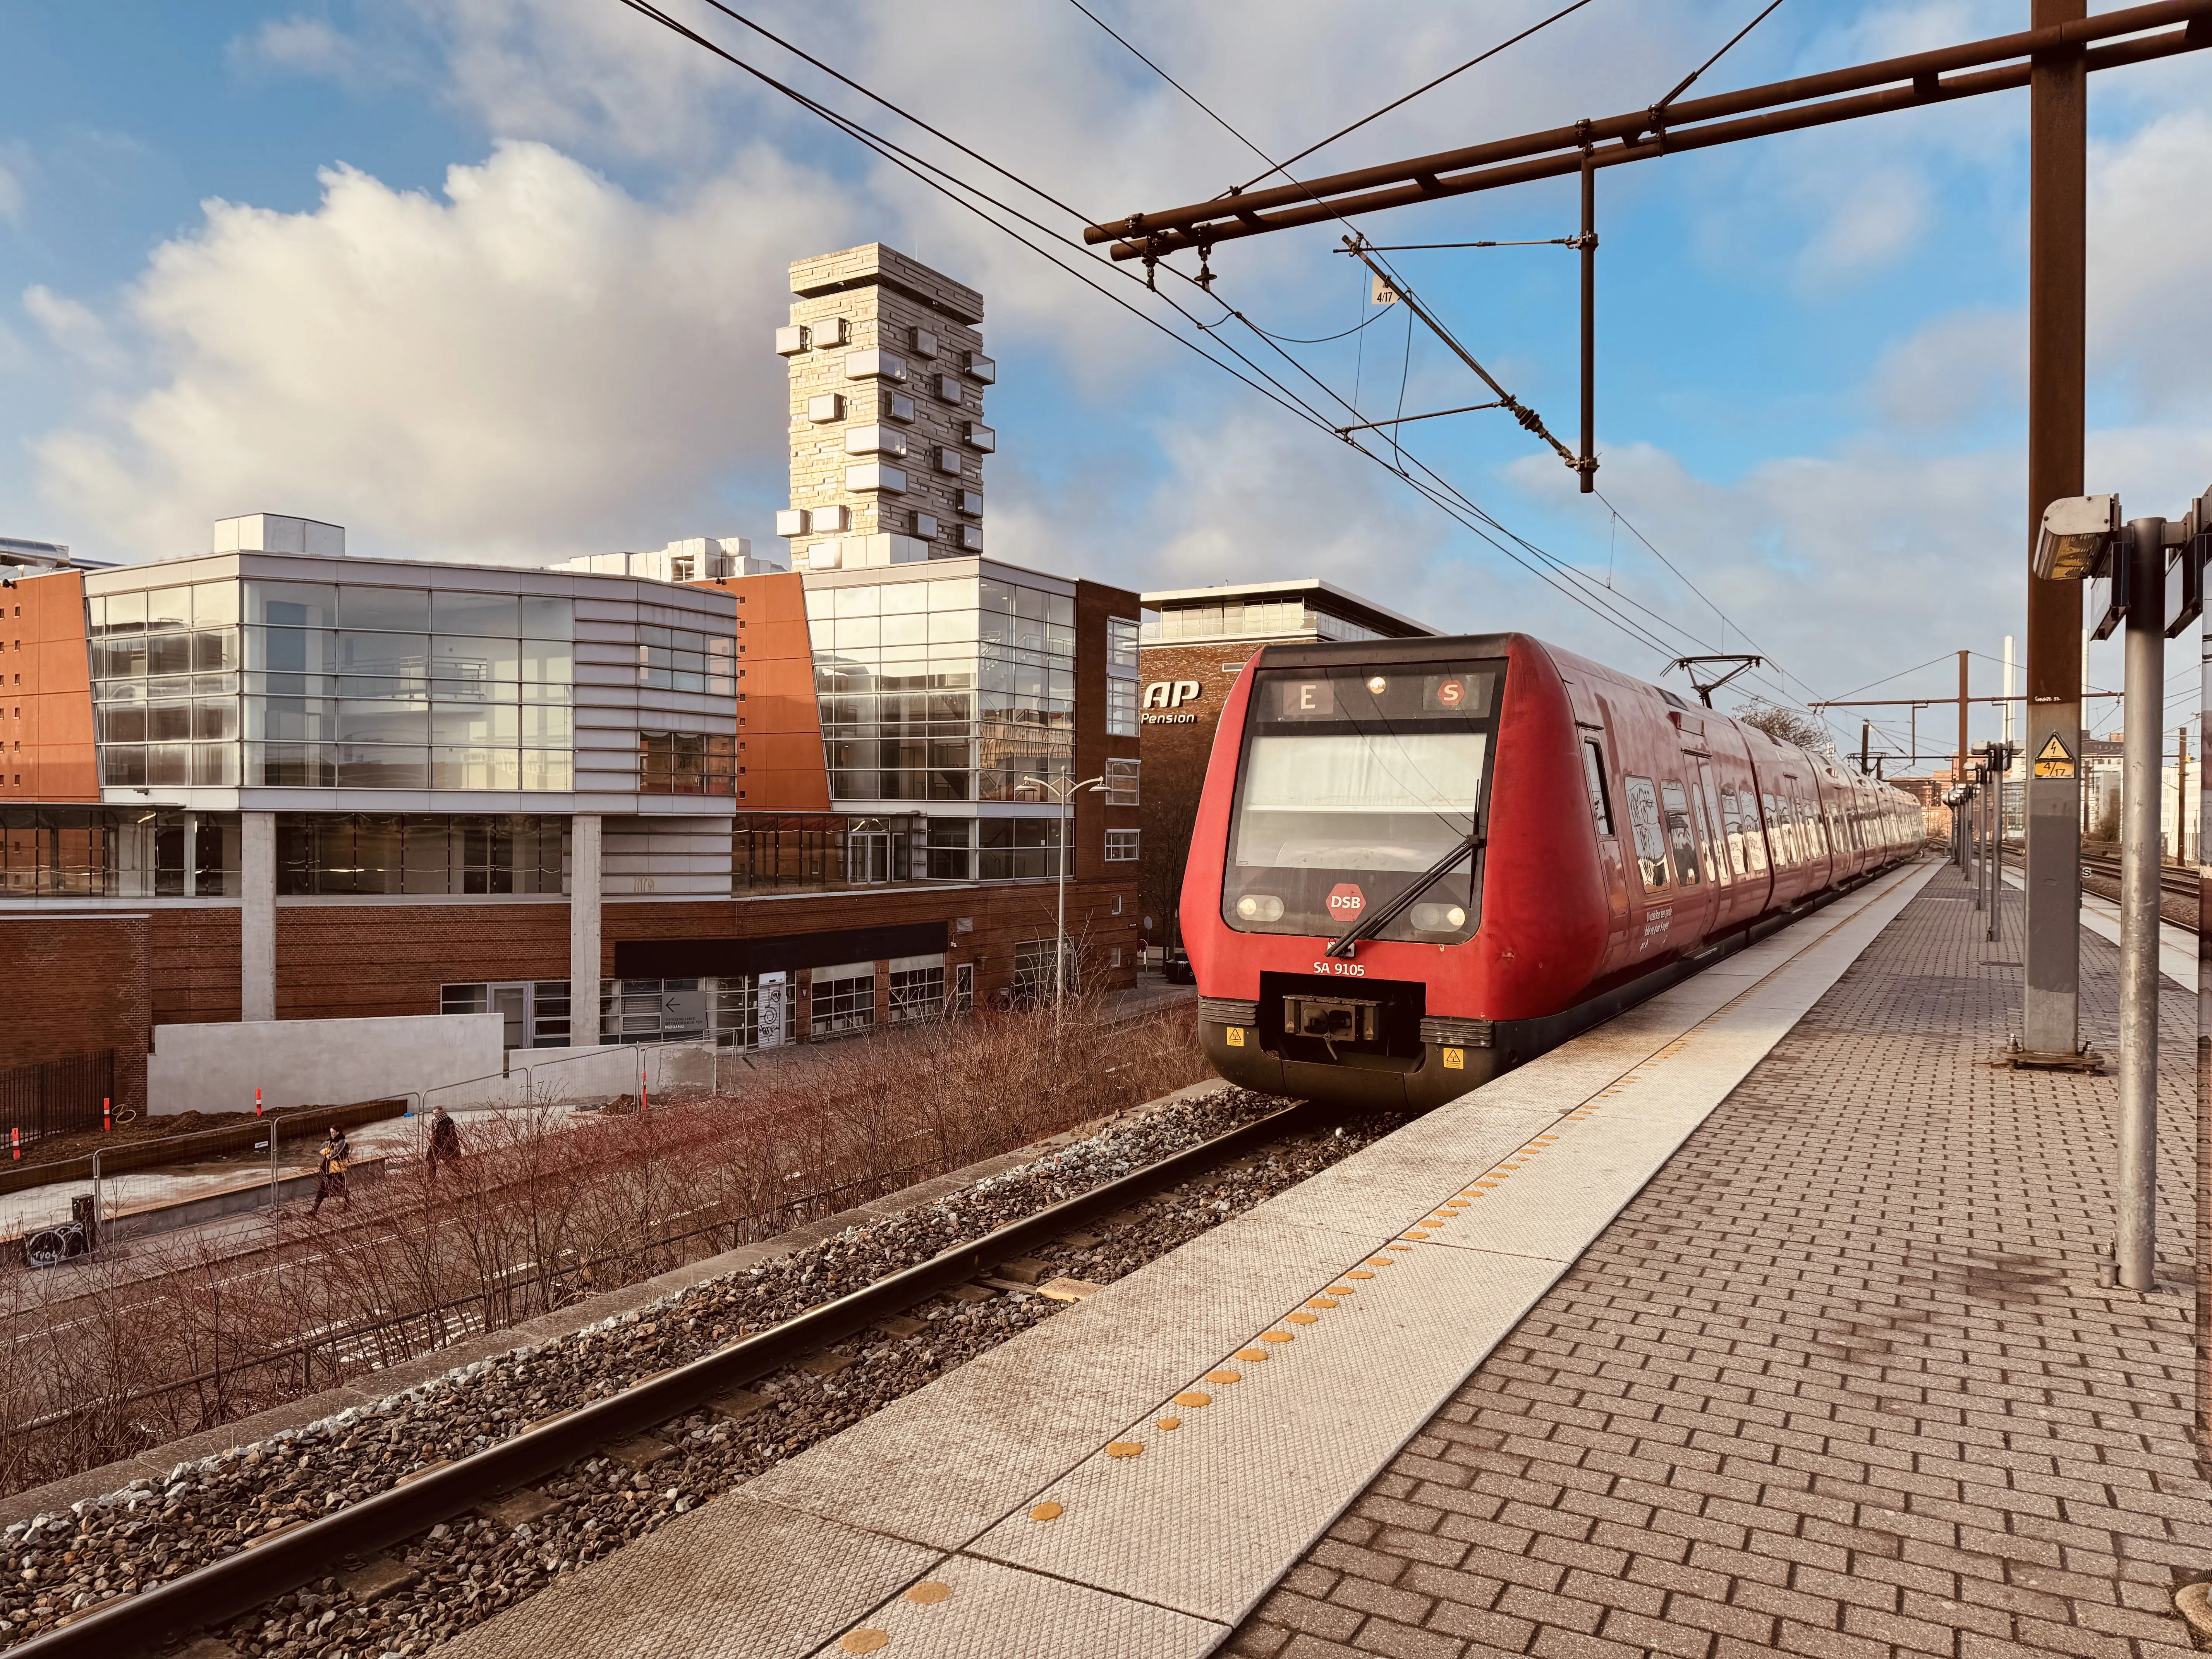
<point>686,763</point>
<point>330,855</point>
<point>1121,847</point>
<point>1018,849</point>
<point>108,852</point>
<point>1120,708</point>
<point>844,1001</point>
<point>952,849</point>
<point>1033,975</point>
<point>536,1011</point>
<point>1121,645</point>
<point>1120,783</point>
<point>917,987</point>
<point>685,660</point>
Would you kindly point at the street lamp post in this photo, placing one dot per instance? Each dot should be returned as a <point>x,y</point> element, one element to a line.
<point>1063,790</point>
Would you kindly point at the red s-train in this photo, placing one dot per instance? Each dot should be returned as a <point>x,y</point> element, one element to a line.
<point>1419,863</point>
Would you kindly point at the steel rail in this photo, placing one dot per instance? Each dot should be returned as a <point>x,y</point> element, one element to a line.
<point>1618,138</point>
<point>254,1574</point>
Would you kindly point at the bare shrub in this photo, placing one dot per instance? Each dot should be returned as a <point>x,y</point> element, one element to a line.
<point>178,1335</point>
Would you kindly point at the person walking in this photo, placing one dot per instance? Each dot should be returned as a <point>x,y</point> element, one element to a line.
<point>333,1156</point>
<point>445,1141</point>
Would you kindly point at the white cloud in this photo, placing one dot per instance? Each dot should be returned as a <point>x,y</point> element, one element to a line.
<point>2150,243</point>
<point>1953,368</point>
<point>1873,221</point>
<point>314,45</point>
<point>1842,568</point>
<point>73,326</point>
<point>1246,495</point>
<point>539,363</point>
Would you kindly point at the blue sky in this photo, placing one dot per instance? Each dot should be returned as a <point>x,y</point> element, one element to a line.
<point>494,278</point>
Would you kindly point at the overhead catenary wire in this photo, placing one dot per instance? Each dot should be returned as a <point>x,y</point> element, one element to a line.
<point>1525,416</point>
<point>1552,572</point>
<point>1426,85</point>
<point>1660,108</point>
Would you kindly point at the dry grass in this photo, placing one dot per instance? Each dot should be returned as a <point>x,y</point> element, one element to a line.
<point>106,1359</point>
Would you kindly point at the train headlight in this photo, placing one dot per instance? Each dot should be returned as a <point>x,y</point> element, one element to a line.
<point>1259,906</point>
<point>1439,918</point>
<point>1378,685</point>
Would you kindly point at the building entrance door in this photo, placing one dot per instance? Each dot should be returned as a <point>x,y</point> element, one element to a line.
<point>868,855</point>
<point>511,1004</point>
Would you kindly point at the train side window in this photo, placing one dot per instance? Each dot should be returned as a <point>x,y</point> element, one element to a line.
<point>1650,838</point>
<point>1593,772</point>
<point>1709,816</point>
<point>1783,831</point>
<point>1732,828</point>
<point>1754,839</point>
<point>1682,837</point>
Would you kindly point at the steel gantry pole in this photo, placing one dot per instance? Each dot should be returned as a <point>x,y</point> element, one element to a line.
<point>2142,793</point>
<point>2057,248</point>
<point>1964,834</point>
<point>1587,470</point>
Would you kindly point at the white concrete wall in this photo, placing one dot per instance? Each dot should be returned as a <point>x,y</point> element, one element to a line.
<point>584,1076</point>
<point>256,917</point>
<point>315,1062</point>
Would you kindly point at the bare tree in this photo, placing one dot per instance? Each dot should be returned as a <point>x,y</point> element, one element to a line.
<point>1786,725</point>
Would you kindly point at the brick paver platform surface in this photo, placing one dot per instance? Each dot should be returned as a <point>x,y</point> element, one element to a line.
<point>1840,1381</point>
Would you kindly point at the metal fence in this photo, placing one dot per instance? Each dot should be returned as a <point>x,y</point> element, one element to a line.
<point>57,1096</point>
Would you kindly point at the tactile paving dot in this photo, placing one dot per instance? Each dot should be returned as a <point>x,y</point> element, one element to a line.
<point>1047,1511</point>
<point>1169,1423</point>
<point>929,1593</point>
<point>1277,1336</point>
<point>1301,1318</point>
<point>1193,1399</point>
<point>1124,1449</point>
<point>864,1640</point>
<point>1225,1377</point>
<point>1252,1356</point>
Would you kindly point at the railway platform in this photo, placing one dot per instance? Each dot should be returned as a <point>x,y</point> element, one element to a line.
<point>1764,1317</point>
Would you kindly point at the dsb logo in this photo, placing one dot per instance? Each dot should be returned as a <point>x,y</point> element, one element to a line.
<point>1345,901</point>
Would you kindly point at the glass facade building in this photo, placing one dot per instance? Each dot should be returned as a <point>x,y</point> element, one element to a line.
<point>238,683</point>
<point>943,690</point>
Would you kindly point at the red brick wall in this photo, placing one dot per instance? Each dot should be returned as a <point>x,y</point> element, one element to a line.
<point>370,961</point>
<point>1176,754</point>
<point>194,965</point>
<point>1002,917</point>
<point>354,961</point>
<point>76,984</point>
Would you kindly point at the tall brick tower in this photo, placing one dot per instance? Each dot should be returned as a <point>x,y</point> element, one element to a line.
<point>887,432</point>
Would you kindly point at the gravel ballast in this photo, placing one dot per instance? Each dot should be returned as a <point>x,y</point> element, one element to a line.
<point>465,1569</point>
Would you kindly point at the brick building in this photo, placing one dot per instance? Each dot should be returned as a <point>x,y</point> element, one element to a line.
<point>277,780</point>
<point>1194,642</point>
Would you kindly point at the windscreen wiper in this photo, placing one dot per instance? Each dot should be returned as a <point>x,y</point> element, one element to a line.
<point>1367,927</point>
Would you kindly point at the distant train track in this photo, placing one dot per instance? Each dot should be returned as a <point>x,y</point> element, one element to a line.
<point>2179,880</point>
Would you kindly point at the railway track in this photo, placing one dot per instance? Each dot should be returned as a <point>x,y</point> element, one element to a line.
<point>268,1569</point>
<point>2176,880</point>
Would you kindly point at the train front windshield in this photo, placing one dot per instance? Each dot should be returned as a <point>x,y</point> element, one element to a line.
<point>1354,782</point>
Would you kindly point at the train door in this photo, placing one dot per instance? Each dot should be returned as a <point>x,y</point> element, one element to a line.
<point>1725,841</point>
<point>1748,835</point>
<point>1611,860</point>
<point>1694,884</point>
